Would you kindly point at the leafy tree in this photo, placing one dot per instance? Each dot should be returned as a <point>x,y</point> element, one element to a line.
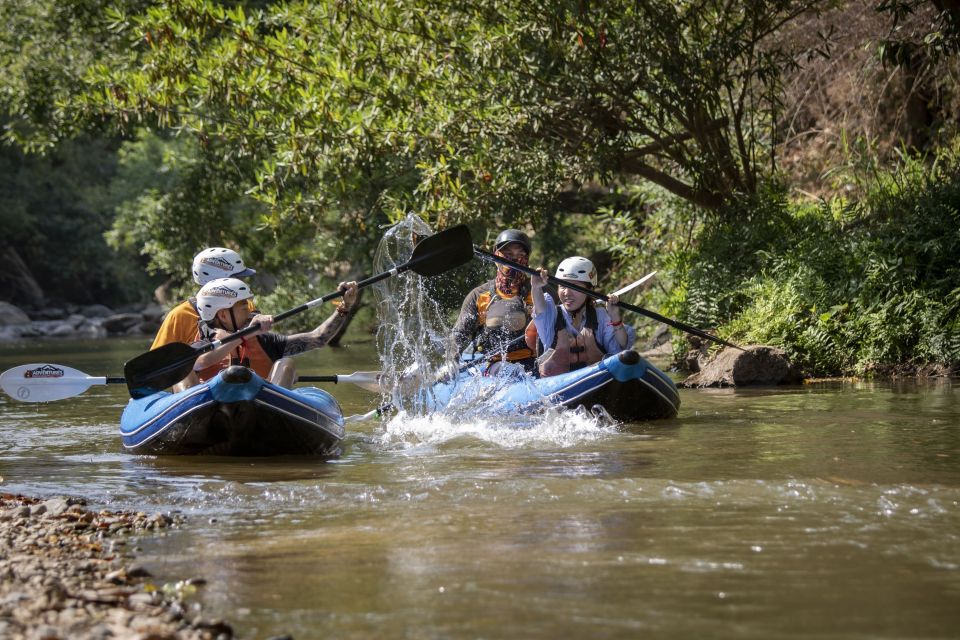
<point>53,216</point>
<point>463,110</point>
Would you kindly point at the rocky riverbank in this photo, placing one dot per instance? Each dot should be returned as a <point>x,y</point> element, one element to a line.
<point>67,572</point>
<point>73,321</point>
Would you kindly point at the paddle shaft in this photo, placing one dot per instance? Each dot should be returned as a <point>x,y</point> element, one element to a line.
<point>98,380</point>
<point>600,296</point>
<point>406,266</point>
<point>307,305</point>
<point>166,365</point>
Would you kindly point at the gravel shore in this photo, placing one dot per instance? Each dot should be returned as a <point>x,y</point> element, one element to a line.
<point>66,573</point>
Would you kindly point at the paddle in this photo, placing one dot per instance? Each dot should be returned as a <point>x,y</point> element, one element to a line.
<point>373,413</point>
<point>167,365</point>
<point>633,285</point>
<point>486,255</point>
<point>49,382</point>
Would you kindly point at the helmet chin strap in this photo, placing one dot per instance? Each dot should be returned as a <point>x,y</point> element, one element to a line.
<point>233,320</point>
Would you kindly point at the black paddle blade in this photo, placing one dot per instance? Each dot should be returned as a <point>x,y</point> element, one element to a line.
<point>160,368</point>
<point>442,251</point>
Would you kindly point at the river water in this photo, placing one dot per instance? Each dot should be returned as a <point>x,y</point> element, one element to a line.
<point>817,511</point>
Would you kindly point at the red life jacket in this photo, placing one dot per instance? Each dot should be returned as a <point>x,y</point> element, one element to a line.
<point>247,353</point>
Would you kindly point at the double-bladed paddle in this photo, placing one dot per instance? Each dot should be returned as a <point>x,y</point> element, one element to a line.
<point>44,382</point>
<point>486,255</point>
<point>633,285</point>
<point>167,365</point>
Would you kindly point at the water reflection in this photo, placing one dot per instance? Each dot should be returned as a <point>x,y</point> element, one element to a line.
<point>828,510</point>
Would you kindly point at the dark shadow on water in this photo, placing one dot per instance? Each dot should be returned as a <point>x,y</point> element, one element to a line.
<point>236,469</point>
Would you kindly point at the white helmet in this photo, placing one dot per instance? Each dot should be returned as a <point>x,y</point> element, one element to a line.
<point>221,293</point>
<point>577,268</point>
<point>217,262</point>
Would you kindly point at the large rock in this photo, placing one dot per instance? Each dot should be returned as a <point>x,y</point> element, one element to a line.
<point>153,313</point>
<point>96,311</point>
<point>755,365</point>
<point>121,322</point>
<point>10,314</point>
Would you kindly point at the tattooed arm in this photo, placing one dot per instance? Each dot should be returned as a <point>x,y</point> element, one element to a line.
<point>319,337</point>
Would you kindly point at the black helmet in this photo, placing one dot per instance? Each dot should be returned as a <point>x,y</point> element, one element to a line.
<point>512,235</point>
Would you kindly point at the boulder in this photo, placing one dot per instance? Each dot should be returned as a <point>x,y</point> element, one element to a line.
<point>755,365</point>
<point>153,313</point>
<point>49,313</point>
<point>10,314</point>
<point>96,311</point>
<point>149,327</point>
<point>121,322</point>
<point>91,330</point>
<point>62,331</point>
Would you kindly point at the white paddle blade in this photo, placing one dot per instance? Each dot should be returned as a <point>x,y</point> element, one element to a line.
<point>369,415</point>
<point>369,380</point>
<point>42,382</point>
<point>633,285</point>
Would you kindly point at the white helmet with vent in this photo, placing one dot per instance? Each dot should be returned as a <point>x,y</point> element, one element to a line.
<point>578,269</point>
<point>221,293</point>
<point>217,262</point>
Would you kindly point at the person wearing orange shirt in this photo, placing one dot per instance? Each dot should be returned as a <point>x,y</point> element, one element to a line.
<point>223,305</point>
<point>180,324</point>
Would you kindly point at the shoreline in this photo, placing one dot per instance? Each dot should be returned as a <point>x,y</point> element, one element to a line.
<point>69,573</point>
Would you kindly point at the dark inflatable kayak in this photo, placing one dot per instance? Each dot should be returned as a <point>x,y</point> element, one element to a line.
<point>626,385</point>
<point>237,413</point>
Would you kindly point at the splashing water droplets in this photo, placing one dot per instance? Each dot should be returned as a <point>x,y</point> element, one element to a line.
<point>412,341</point>
<point>412,333</point>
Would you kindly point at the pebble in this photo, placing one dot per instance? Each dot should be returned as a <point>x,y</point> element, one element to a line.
<point>63,574</point>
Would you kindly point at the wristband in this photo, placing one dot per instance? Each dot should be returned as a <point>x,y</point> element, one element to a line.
<point>343,309</point>
<point>618,323</point>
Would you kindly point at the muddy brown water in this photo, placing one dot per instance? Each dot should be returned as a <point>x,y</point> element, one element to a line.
<point>817,511</point>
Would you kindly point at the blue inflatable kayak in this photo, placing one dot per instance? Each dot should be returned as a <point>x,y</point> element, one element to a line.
<point>237,413</point>
<point>626,385</point>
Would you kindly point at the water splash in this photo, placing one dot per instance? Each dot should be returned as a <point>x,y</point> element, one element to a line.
<point>412,337</point>
<point>553,426</point>
<point>413,342</point>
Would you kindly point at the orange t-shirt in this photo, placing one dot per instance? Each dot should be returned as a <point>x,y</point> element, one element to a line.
<point>180,325</point>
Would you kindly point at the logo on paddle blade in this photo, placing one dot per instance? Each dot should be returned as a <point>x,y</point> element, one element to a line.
<point>46,371</point>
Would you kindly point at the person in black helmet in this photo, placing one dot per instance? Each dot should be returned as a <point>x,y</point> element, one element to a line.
<point>494,315</point>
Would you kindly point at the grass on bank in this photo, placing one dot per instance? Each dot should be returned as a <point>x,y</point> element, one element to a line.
<point>866,287</point>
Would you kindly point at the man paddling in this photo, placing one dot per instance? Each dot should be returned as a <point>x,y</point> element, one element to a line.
<point>180,325</point>
<point>494,315</point>
<point>224,307</point>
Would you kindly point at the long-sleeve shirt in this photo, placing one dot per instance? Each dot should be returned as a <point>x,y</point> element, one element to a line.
<point>546,327</point>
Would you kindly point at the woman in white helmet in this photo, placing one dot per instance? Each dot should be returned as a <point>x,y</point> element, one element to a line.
<point>224,308</point>
<point>574,333</point>
<point>180,325</point>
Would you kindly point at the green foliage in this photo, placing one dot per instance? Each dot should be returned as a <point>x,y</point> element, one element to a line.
<point>844,288</point>
<point>315,122</point>
<point>53,214</point>
<point>455,110</point>
<point>46,46</point>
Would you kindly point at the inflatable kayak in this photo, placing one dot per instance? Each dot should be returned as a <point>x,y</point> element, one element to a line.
<point>237,413</point>
<point>626,385</point>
